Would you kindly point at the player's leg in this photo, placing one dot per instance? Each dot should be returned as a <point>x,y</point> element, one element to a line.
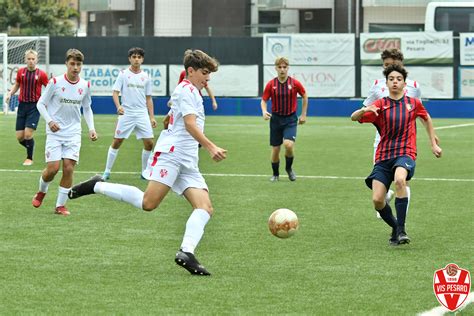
<point>53,162</point>
<point>276,139</point>
<point>20,125</point>
<point>401,199</point>
<point>146,152</point>
<point>144,131</point>
<point>32,119</point>
<point>123,129</point>
<point>289,138</point>
<point>65,185</point>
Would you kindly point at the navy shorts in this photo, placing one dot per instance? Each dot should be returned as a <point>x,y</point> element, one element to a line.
<point>282,127</point>
<point>27,116</point>
<point>384,171</point>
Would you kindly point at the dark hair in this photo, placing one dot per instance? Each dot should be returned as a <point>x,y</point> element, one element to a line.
<point>393,53</point>
<point>199,60</point>
<point>73,53</point>
<point>136,51</point>
<point>398,67</point>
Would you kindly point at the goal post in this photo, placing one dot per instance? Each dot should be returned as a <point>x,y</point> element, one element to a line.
<point>13,50</point>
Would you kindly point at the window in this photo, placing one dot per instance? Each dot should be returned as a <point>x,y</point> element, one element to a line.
<point>454,19</point>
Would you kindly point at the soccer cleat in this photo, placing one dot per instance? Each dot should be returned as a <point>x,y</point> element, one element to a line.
<point>84,188</point>
<point>188,261</point>
<point>61,210</point>
<point>38,199</point>
<point>393,241</point>
<point>106,175</point>
<point>402,236</point>
<point>28,162</point>
<point>274,179</point>
<point>291,175</point>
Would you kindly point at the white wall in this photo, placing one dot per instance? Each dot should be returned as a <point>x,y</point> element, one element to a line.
<point>173,17</point>
<point>393,15</point>
<point>290,17</point>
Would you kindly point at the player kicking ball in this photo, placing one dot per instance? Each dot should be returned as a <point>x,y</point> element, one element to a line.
<point>395,119</point>
<point>174,162</point>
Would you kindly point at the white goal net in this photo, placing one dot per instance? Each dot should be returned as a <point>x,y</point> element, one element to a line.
<point>12,57</point>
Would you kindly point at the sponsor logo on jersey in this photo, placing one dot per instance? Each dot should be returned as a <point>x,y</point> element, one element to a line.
<point>132,85</point>
<point>69,101</point>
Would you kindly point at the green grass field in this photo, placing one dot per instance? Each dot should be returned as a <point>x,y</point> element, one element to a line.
<point>109,258</point>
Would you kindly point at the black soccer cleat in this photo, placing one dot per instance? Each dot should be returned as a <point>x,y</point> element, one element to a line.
<point>84,188</point>
<point>291,175</point>
<point>188,261</point>
<point>402,236</point>
<point>393,241</point>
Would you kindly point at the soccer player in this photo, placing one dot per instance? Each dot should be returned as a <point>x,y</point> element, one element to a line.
<point>394,117</point>
<point>29,81</point>
<point>135,112</point>
<point>283,90</point>
<point>182,76</point>
<point>174,163</point>
<point>60,106</point>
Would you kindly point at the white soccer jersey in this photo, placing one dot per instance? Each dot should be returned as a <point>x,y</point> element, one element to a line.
<point>61,102</point>
<point>379,90</point>
<point>133,88</point>
<point>185,100</point>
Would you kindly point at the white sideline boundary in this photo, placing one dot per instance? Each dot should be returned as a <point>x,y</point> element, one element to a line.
<point>242,175</point>
<point>441,310</point>
<point>454,126</point>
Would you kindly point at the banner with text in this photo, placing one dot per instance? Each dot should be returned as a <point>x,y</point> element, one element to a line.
<point>229,81</point>
<point>435,82</point>
<point>310,49</point>
<point>466,49</point>
<point>417,47</point>
<point>320,81</point>
<point>102,77</point>
<point>466,82</point>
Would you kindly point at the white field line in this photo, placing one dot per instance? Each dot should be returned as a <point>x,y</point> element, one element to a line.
<point>245,175</point>
<point>441,310</point>
<point>454,126</point>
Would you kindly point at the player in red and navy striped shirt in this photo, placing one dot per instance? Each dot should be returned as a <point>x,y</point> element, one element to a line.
<point>283,92</point>
<point>29,80</point>
<point>395,119</point>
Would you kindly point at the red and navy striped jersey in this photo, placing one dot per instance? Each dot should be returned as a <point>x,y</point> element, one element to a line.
<point>30,84</point>
<point>283,95</point>
<point>396,124</point>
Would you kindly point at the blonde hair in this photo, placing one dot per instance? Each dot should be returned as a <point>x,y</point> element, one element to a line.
<point>282,60</point>
<point>31,51</point>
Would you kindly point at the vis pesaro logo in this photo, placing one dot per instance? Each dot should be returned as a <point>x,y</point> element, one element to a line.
<point>451,286</point>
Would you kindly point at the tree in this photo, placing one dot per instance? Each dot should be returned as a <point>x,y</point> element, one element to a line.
<point>37,17</point>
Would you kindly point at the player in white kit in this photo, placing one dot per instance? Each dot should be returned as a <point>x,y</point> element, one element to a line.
<point>135,111</point>
<point>379,90</point>
<point>174,163</point>
<point>60,106</point>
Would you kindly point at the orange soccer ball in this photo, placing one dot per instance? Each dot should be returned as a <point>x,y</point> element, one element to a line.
<point>283,223</point>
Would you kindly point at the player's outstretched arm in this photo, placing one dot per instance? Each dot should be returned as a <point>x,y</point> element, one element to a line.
<point>357,114</point>
<point>437,151</point>
<point>216,153</point>
<point>12,91</point>
<point>212,97</point>
<point>425,125</point>
<point>304,110</point>
<point>266,115</point>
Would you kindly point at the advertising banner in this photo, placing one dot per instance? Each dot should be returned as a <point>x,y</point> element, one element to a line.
<point>417,47</point>
<point>435,82</point>
<point>228,81</point>
<point>466,49</point>
<point>320,81</point>
<point>102,77</point>
<point>466,82</point>
<point>310,49</point>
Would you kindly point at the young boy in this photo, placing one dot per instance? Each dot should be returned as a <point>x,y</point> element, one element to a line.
<point>174,163</point>
<point>60,106</point>
<point>283,91</point>
<point>395,119</point>
<point>29,80</point>
<point>135,112</point>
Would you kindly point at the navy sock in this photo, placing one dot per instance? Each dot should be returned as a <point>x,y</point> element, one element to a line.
<point>30,146</point>
<point>276,168</point>
<point>401,205</point>
<point>289,162</point>
<point>387,216</point>
<point>22,143</point>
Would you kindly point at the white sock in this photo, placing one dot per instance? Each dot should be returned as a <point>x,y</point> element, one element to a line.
<point>43,185</point>
<point>62,196</point>
<point>145,156</point>
<point>408,196</point>
<point>121,192</point>
<point>111,156</point>
<point>194,229</point>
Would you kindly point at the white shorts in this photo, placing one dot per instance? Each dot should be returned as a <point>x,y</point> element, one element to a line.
<point>166,168</point>
<point>57,149</point>
<point>127,124</point>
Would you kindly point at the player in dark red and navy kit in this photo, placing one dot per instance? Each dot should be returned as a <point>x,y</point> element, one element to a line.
<point>283,91</point>
<point>395,119</point>
<point>29,80</point>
